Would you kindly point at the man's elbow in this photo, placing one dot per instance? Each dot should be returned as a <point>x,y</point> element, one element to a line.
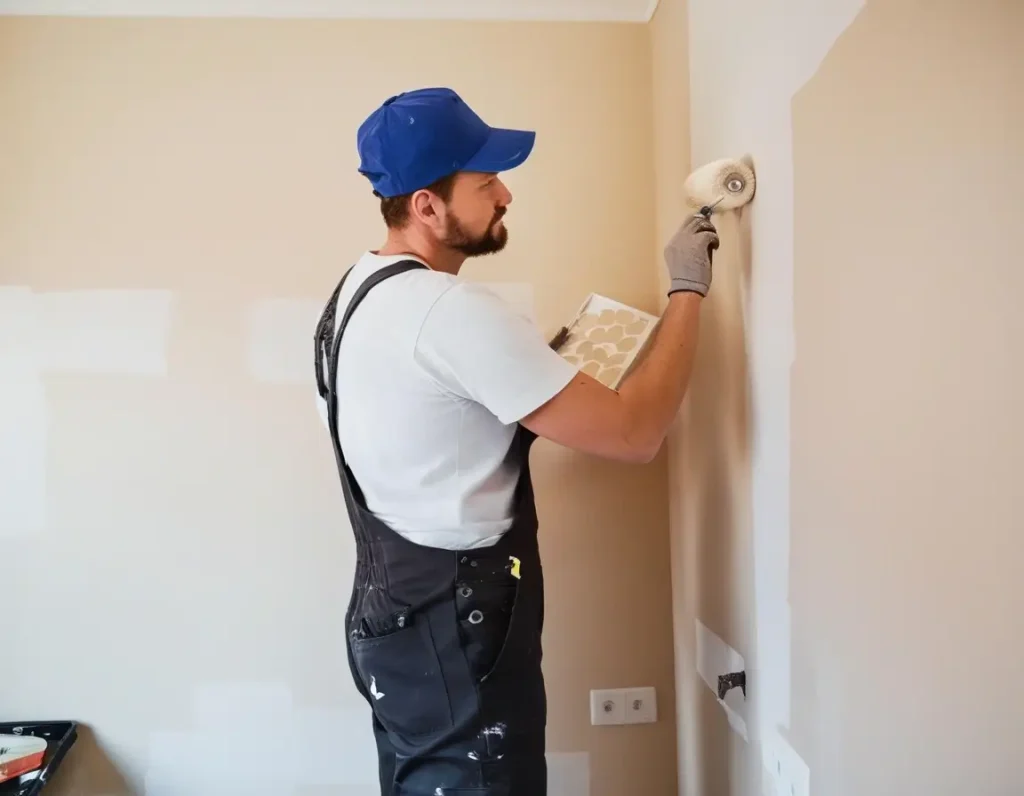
<point>641,449</point>
<point>646,454</point>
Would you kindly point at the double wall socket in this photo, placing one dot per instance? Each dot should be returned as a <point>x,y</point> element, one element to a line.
<point>623,706</point>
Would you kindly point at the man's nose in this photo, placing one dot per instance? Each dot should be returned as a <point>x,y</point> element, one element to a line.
<point>505,195</point>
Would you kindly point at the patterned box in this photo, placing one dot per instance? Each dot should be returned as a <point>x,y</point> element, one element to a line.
<point>606,337</point>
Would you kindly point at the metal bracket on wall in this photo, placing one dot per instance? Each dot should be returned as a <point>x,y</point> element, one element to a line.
<point>726,682</point>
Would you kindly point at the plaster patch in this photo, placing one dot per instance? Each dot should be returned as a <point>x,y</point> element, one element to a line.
<point>23,438</point>
<point>83,331</point>
<point>280,340</point>
<point>248,704</point>
<point>19,333</point>
<point>87,331</point>
<point>105,331</point>
<point>250,738</point>
<point>568,773</point>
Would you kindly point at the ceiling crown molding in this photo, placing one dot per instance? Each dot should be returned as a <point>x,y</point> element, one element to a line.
<point>512,10</point>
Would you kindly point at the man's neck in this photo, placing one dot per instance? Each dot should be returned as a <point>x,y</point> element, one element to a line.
<point>439,258</point>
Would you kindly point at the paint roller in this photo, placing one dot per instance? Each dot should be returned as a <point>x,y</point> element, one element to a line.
<point>725,184</point>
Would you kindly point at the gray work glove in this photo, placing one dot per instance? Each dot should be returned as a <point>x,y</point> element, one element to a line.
<point>688,255</point>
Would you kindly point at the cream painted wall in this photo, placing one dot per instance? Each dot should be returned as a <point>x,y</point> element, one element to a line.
<point>870,562</point>
<point>171,508</point>
<point>907,431</point>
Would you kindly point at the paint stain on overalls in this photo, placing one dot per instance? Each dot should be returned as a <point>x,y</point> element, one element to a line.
<point>445,646</point>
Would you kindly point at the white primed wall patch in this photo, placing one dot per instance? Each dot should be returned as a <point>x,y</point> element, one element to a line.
<point>85,331</point>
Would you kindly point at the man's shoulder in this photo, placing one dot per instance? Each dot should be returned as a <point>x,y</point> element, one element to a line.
<point>476,316</point>
<point>370,263</point>
<point>417,286</point>
<point>479,300</point>
<point>429,302</point>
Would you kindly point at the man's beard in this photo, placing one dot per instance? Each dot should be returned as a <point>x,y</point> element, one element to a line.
<point>493,240</point>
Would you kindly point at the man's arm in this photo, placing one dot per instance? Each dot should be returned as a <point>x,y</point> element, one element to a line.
<point>628,425</point>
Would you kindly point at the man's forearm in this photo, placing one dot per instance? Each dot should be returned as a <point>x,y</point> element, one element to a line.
<point>654,391</point>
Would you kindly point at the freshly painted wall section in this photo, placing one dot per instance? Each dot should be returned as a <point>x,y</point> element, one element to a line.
<point>866,573</point>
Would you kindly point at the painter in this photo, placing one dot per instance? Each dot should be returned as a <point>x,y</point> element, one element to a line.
<point>433,391</point>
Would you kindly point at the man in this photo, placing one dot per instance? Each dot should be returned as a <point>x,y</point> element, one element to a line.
<point>433,391</point>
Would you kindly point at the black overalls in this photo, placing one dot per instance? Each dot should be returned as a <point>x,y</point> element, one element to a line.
<point>444,645</point>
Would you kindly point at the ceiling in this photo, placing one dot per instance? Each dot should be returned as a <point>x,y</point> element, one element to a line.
<point>549,10</point>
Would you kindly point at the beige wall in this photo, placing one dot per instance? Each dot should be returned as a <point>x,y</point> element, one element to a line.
<point>182,559</point>
<point>877,606</point>
<point>908,433</point>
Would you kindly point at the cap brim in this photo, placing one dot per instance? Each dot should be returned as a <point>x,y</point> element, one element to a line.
<point>503,150</point>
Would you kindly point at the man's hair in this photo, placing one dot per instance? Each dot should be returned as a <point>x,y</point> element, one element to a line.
<point>395,209</point>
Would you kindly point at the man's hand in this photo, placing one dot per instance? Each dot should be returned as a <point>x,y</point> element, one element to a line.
<point>688,255</point>
<point>631,423</point>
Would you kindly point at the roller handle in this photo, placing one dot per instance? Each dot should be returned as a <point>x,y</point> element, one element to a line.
<point>707,210</point>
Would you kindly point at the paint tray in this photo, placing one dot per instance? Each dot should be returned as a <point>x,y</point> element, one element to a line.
<point>20,754</point>
<point>606,338</point>
<point>58,737</point>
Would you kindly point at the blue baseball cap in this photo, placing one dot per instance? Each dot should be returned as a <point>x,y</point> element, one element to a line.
<point>418,137</point>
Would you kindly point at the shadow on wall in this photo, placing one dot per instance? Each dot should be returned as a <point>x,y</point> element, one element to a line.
<point>88,770</point>
<point>713,462</point>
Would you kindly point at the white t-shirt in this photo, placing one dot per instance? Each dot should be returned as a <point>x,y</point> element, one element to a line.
<point>434,372</point>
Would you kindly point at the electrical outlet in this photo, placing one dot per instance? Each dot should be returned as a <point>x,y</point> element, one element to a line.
<point>785,772</point>
<point>607,707</point>
<point>641,706</point>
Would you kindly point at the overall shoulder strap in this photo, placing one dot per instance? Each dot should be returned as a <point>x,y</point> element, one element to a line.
<point>325,334</point>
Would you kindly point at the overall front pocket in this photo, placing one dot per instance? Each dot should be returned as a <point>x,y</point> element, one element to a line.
<point>402,675</point>
<point>485,611</point>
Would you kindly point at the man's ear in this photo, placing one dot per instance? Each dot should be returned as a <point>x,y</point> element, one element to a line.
<point>419,204</point>
<point>424,206</point>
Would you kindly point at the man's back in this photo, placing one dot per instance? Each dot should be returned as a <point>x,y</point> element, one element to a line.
<point>433,374</point>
